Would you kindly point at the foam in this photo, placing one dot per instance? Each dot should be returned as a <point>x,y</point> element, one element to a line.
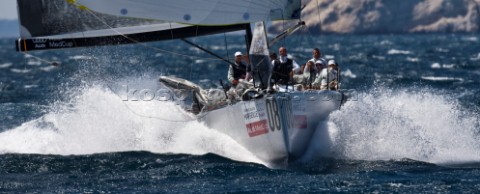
<point>445,66</point>
<point>420,124</point>
<point>5,65</point>
<point>97,120</point>
<point>22,71</point>
<point>432,78</point>
<point>80,57</point>
<point>384,124</point>
<point>348,73</point>
<point>397,52</point>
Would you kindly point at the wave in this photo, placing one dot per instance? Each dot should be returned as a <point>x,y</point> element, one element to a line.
<point>470,39</point>
<point>348,73</point>
<point>30,86</point>
<point>34,63</point>
<point>432,78</point>
<point>419,124</point>
<point>48,68</point>
<point>81,57</point>
<point>98,120</point>
<point>381,124</point>
<point>413,59</point>
<point>15,70</point>
<point>397,52</point>
<point>475,58</point>
<point>444,66</point>
<point>5,65</point>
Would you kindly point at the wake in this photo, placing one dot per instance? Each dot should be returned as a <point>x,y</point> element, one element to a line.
<point>387,124</point>
<point>97,120</point>
<point>382,124</point>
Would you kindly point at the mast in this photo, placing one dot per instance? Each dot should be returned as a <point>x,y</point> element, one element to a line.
<point>248,36</point>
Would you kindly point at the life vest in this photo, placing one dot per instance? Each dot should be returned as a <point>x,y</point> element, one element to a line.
<point>281,71</point>
<point>239,70</point>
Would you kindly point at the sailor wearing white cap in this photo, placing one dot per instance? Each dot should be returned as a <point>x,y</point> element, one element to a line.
<point>328,77</point>
<point>331,63</point>
<point>238,71</point>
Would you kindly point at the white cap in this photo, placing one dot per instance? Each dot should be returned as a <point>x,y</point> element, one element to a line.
<point>238,53</point>
<point>331,62</point>
<point>319,62</point>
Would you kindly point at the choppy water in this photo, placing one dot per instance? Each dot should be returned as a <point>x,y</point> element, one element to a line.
<point>413,126</point>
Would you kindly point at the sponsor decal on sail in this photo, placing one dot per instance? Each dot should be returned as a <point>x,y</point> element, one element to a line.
<point>43,45</point>
<point>60,44</point>
<point>39,41</point>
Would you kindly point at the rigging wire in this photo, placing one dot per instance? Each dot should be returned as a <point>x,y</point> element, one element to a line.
<point>283,29</point>
<point>203,114</point>
<point>151,47</point>
<point>319,19</point>
<point>310,36</point>
<point>226,45</point>
<point>319,28</point>
<point>253,2</point>
<point>171,30</point>
<point>192,118</point>
<point>142,43</point>
<point>54,63</point>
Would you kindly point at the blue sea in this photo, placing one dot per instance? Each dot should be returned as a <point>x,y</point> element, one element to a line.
<point>412,125</point>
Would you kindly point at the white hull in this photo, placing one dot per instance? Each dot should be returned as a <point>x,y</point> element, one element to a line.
<point>277,127</point>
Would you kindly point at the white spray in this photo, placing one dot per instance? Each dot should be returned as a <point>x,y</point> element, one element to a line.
<point>98,120</point>
<point>383,124</point>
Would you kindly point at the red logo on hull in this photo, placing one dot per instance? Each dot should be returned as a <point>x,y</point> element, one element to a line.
<point>257,128</point>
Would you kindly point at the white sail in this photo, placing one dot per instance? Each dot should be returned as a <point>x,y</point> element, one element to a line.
<point>259,41</point>
<point>198,12</point>
<point>259,55</point>
<point>61,19</point>
<point>41,27</point>
<point>117,31</point>
<point>111,22</point>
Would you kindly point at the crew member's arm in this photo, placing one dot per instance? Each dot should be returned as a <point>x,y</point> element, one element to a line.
<point>248,74</point>
<point>296,67</point>
<point>307,67</point>
<point>230,74</point>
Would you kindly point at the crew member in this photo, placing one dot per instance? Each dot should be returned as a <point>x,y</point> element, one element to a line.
<point>239,70</point>
<point>282,68</point>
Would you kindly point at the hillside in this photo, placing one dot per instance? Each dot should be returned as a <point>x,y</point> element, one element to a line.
<point>390,16</point>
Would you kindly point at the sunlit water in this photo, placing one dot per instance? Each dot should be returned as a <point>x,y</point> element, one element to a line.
<point>411,126</point>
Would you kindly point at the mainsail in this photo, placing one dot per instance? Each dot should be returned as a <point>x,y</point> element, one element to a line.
<point>198,12</point>
<point>52,24</point>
